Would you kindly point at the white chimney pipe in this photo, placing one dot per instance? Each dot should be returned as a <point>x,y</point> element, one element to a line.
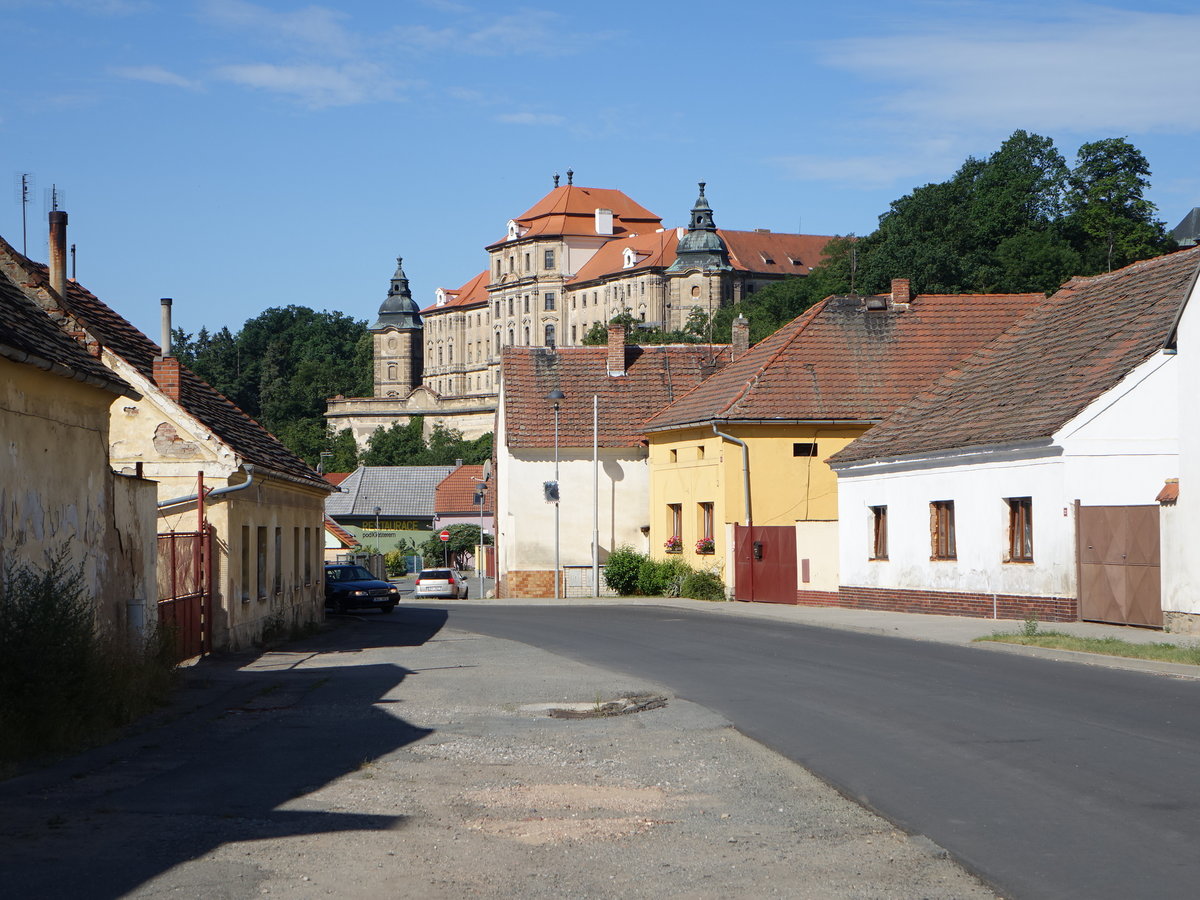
<point>166,326</point>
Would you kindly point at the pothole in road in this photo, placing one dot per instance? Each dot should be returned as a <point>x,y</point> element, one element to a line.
<point>597,709</point>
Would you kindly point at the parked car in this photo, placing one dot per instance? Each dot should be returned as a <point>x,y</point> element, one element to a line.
<point>353,587</point>
<point>444,583</point>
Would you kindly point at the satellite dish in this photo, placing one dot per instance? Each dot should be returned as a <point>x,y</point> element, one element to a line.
<point>487,469</point>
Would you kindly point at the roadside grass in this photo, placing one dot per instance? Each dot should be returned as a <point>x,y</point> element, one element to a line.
<point>1188,654</point>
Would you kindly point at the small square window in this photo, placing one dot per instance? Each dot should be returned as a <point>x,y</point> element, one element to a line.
<point>804,448</point>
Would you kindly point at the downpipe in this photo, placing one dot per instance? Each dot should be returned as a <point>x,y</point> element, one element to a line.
<point>745,469</point>
<point>216,492</point>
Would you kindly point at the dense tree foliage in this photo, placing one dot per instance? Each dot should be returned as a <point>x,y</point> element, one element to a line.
<point>404,445</point>
<point>282,366</point>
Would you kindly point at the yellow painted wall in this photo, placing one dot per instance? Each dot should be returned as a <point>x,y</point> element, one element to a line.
<point>693,465</point>
<point>57,491</point>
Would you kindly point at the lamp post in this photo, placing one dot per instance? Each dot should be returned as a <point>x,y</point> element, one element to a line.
<point>556,395</point>
<point>378,510</point>
<point>596,494</point>
<point>480,559</point>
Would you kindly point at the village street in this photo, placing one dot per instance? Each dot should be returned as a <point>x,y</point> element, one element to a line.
<point>411,755</point>
<point>393,756</point>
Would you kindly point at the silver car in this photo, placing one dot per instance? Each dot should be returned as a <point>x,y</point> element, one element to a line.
<point>445,584</point>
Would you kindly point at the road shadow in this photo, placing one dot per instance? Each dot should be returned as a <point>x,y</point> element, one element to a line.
<point>241,765</point>
<point>407,626</point>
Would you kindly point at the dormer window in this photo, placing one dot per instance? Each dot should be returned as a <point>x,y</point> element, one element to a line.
<point>514,230</point>
<point>440,297</point>
<point>766,259</point>
<point>630,258</point>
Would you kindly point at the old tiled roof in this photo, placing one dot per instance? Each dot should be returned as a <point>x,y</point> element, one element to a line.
<point>750,251</point>
<point>28,335</point>
<point>345,537</point>
<point>570,210</point>
<point>1046,368</point>
<point>335,478</point>
<point>654,250</point>
<point>655,375</point>
<point>248,439</point>
<point>473,293</point>
<point>398,491</point>
<point>777,253</point>
<point>840,361</point>
<point>455,494</point>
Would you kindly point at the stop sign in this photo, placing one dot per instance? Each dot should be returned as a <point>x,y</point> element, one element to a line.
<point>444,535</point>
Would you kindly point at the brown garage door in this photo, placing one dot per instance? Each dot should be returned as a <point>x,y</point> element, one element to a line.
<point>1119,566</point>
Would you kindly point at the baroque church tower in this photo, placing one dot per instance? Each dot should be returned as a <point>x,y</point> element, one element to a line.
<point>399,341</point>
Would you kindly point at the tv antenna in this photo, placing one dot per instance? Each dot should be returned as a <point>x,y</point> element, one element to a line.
<point>24,185</point>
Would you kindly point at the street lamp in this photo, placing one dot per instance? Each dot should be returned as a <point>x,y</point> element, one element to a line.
<point>556,395</point>
<point>481,558</point>
<point>378,510</point>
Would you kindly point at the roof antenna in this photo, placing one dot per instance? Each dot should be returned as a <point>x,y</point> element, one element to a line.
<point>570,176</point>
<point>26,185</point>
<point>853,268</point>
<point>73,278</point>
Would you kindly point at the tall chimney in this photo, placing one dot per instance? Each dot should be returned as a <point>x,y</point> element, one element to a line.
<point>740,336</point>
<point>165,304</point>
<point>58,251</point>
<point>901,292</point>
<point>616,349</point>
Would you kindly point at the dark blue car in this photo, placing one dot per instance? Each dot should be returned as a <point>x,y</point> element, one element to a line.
<point>350,587</point>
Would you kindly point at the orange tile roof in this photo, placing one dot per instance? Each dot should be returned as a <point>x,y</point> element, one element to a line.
<point>1046,368</point>
<point>655,375</point>
<point>841,362</point>
<point>335,478</point>
<point>344,537</point>
<point>473,293</point>
<point>455,494</point>
<point>654,250</point>
<point>777,253</point>
<point>570,210</point>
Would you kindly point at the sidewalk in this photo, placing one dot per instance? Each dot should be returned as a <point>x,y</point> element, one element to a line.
<point>962,630</point>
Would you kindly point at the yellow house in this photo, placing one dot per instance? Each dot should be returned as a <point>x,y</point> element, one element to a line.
<point>738,479</point>
<point>261,545</point>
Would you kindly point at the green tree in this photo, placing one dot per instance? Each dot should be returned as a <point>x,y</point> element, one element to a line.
<point>400,445</point>
<point>1107,204</point>
<point>464,538</point>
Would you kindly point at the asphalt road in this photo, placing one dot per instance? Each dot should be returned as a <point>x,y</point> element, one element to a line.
<point>1047,779</point>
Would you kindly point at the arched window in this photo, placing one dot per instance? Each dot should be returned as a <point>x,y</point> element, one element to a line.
<point>391,372</point>
<point>526,335</point>
<point>549,335</point>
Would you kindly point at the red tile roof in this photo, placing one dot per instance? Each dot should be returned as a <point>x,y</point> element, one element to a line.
<point>654,250</point>
<point>455,494</point>
<point>473,293</point>
<point>335,478</point>
<point>570,210</point>
<point>236,429</point>
<point>655,375</point>
<point>842,362</point>
<point>779,254</point>
<point>345,537</point>
<point>1046,368</point>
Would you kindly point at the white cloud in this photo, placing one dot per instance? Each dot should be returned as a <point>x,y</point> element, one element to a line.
<point>311,28</point>
<point>529,118</point>
<point>316,86</point>
<point>1092,68</point>
<point>867,172</point>
<point>154,75</point>
<point>527,32</point>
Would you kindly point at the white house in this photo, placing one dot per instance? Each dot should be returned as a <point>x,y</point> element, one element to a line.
<point>1024,482</point>
<point>605,489</point>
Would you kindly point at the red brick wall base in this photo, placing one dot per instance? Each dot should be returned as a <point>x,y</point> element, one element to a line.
<point>946,603</point>
<point>527,584</point>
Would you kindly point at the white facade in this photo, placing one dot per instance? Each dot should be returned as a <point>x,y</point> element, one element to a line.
<point>1181,523</point>
<point>1116,452</point>
<point>525,520</point>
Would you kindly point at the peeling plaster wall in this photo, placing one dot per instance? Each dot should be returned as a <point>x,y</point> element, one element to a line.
<point>58,492</point>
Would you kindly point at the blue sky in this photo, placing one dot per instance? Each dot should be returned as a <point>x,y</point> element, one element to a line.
<point>238,155</point>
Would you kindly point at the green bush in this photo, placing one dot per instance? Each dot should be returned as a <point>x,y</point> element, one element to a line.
<point>702,586</point>
<point>396,563</point>
<point>662,577</point>
<point>621,570</point>
<point>63,684</point>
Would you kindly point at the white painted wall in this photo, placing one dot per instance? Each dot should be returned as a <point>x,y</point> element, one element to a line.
<point>1181,526</point>
<point>526,521</point>
<point>1118,451</point>
<point>818,543</point>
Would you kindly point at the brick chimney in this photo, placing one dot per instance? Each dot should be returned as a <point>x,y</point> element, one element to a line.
<point>901,292</point>
<point>58,251</point>
<point>616,349</point>
<point>166,366</point>
<point>741,336</point>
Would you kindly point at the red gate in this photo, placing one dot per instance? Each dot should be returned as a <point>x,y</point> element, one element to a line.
<point>764,563</point>
<point>184,590</point>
